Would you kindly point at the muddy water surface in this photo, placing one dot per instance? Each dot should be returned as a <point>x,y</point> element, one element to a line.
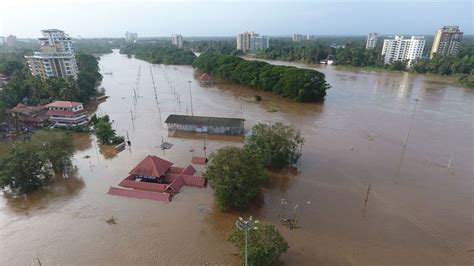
<point>419,210</point>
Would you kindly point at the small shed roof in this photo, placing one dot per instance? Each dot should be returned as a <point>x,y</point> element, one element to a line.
<point>205,77</point>
<point>151,166</point>
<point>204,120</point>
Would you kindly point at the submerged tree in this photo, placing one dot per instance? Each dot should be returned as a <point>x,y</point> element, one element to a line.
<point>104,131</point>
<point>28,164</point>
<point>277,145</point>
<point>265,244</point>
<point>236,177</point>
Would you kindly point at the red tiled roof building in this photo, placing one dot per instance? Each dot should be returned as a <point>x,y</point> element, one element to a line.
<point>66,114</point>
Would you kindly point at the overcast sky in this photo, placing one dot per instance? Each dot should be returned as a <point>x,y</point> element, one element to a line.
<point>107,18</point>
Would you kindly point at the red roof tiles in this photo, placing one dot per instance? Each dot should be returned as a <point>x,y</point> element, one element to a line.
<point>152,166</point>
<point>64,104</point>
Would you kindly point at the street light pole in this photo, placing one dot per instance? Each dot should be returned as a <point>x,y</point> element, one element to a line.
<point>191,97</point>
<point>246,226</point>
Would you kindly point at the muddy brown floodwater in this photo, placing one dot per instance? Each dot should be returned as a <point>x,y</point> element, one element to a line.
<point>419,211</point>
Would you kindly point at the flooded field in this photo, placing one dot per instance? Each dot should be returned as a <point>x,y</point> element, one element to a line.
<point>419,210</point>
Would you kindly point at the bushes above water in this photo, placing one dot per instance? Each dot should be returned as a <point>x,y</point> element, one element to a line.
<point>303,85</point>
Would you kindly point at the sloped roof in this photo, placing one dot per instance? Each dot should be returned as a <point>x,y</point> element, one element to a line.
<point>66,104</point>
<point>151,166</point>
<point>205,77</point>
<point>204,121</point>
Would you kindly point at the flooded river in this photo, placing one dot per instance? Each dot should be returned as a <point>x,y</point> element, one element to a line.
<point>419,210</point>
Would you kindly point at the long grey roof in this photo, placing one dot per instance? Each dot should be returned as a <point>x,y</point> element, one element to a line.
<point>204,120</point>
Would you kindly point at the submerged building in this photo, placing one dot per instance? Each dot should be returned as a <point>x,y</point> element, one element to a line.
<point>155,178</point>
<point>56,58</point>
<point>66,114</point>
<point>205,124</point>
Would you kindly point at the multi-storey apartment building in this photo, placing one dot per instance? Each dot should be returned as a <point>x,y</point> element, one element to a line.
<point>251,42</point>
<point>66,114</point>
<point>56,58</point>
<point>371,40</point>
<point>298,37</point>
<point>177,40</point>
<point>131,36</point>
<point>400,49</point>
<point>447,41</point>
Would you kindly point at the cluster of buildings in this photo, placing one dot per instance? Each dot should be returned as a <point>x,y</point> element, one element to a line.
<point>131,36</point>
<point>61,114</point>
<point>251,42</point>
<point>301,37</point>
<point>447,41</point>
<point>56,58</point>
<point>177,40</point>
<point>10,40</point>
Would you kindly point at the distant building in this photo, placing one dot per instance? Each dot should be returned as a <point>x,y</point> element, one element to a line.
<point>56,58</point>
<point>177,40</point>
<point>371,40</point>
<point>310,37</point>
<point>400,49</point>
<point>298,37</point>
<point>66,114</point>
<point>2,40</point>
<point>11,40</point>
<point>251,42</point>
<point>131,36</point>
<point>447,41</point>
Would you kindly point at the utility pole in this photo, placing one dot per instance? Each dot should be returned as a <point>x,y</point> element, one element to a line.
<point>406,141</point>
<point>191,97</point>
<point>246,226</point>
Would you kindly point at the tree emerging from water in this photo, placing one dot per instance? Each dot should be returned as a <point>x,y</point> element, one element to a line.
<point>29,164</point>
<point>265,244</point>
<point>277,145</point>
<point>236,176</point>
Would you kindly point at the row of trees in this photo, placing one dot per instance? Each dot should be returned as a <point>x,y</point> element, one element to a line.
<point>237,176</point>
<point>214,46</point>
<point>303,85</point>
<point>159,53</point>
<point>29,164</point>
<point>354,54</point>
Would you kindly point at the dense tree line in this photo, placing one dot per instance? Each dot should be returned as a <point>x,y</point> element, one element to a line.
<point>308,52</point>
<point>36,90</point>
<point>214,46</point>
<point>97,46</point>
<point>159,53</point>
<point>354,54</point>
<point>303,85</point>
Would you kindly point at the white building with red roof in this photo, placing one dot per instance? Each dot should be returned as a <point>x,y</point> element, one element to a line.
<point>66,114</point>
